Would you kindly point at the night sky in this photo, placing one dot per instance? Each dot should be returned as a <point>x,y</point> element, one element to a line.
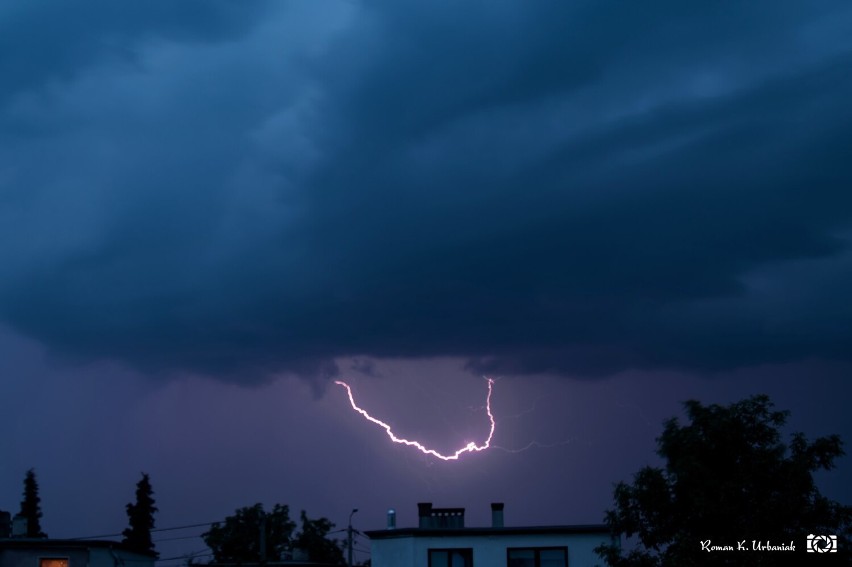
<point>211,210</point>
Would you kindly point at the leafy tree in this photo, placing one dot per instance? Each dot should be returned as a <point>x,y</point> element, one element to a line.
<point>31,506</point>
<point>728,477</point>
<point>313,538</point>
<point>238,539</point>
<point>141,519</point>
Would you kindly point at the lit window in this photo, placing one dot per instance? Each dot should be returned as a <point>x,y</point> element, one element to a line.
<point>450,558</point>
<point>538,557</point>
<point>53,562</point>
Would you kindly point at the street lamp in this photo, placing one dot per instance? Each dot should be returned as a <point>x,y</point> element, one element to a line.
<point>349,531</point>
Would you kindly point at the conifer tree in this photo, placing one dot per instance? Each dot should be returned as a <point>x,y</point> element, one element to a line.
<point>140,515</point>
<point>31,506</point>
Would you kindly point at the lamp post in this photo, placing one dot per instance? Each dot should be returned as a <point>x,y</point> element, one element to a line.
<point>349,533</point>
<point>262,542</point>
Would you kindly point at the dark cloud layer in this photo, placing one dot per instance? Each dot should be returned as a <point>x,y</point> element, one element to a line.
<point>562,187</point>
<point>46,41</point>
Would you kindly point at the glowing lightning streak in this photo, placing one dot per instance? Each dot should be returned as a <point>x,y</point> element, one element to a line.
<point>469,448</point>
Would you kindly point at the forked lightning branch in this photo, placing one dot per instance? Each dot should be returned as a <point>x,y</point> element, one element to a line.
<point>469,448</point>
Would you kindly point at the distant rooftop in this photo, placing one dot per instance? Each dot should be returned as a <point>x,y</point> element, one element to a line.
<point>49,543</point>
<point>450,521</point>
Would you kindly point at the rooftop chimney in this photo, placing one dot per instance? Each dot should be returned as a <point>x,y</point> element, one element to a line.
<point>496,514</point>
<point>439,518</point>
<point>391,519</point>
<point>5,524</point>
<point>424,514</point>
<point>19,526</point>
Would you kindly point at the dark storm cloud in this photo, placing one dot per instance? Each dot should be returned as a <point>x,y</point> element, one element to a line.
<point>551,186</point>
<point>45,40</point>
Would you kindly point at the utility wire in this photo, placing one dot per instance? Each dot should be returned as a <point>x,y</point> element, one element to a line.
<point>177,538</point>
<point>184,556</point>
<point>154,530</point>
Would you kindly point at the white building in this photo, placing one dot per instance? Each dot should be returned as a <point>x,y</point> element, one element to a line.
<point>31,552</point>
<point>441,540</point>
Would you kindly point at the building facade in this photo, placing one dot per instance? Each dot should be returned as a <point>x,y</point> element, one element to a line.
<point>442,540</point>
<point>27,552</point>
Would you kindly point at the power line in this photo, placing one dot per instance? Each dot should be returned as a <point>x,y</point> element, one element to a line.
<point>190,526</point>
<point>177,538</point>
<point>183,557</point>
<point>154,530</point>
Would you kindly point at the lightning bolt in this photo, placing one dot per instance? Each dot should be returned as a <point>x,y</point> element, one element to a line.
<point>469,448</point>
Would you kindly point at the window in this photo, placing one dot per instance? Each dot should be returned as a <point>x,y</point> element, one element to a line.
<point>53,562</point>
<point>538,557</point>
<point>450,558</point>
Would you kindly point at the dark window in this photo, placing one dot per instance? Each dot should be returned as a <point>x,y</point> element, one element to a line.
<point>537,557</point>
<point>450,558</point>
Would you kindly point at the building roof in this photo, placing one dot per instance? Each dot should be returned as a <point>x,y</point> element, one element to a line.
<point>284,563</point>
<point>489,531</point>
<point>48,543</point>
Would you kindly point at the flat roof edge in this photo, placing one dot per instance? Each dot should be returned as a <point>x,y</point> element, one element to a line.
<point>50,543</point>
<point>488,531</point>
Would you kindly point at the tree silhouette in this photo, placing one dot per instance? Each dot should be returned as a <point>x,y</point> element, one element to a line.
<point>31,506</point>
<point>140,515</point>
<point>728,477</point>
<point>313,538</point>
<point>251,535</point>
